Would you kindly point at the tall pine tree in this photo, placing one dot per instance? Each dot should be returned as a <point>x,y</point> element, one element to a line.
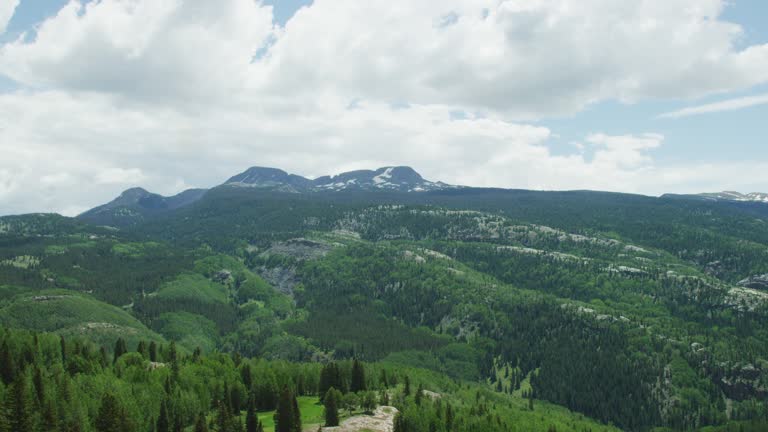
<point>111,416</point>
<point>331,403</point>
<point>357,383</point>
<point>120,349</point>
<point>285,417</point>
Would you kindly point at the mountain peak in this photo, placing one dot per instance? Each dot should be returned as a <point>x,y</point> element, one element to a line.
<point>737,196</point>
<point>394,178</point>
<point>265,177</point>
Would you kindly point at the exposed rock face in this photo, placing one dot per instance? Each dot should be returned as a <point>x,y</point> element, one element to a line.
<point>743,382</point>
<point>300,248</point>
<point>222,276</point>
<point>281,278</point>
<point>756,282</point>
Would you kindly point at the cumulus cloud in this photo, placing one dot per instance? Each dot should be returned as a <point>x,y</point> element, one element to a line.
<point>527,59</point>
<point>119,176</point>
<point>726,105</point>
<point>7,9</point>
<point>178,93</point>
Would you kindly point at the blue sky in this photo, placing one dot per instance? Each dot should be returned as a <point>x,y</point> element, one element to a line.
<point>339,88</point>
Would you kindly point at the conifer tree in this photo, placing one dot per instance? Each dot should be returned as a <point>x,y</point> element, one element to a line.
<point>19,407</point>
<point>331,404</point>
<point>407,387</point>
<point>7,364</point>
<point>358,377</point>
<point>383,378</point>
<point>153,351</point>
<point>284,415</point>
<point>103,357</point>
<point>200,423</point>
<point>296,422</point>
<point>37,381</point>
<point>448,418</point>
<point>399,423</point>
<point>163,423</point>
<point>142,349</point>
<point>246,375</point>
<point>5,425</point>
<point>111,416</point>
<point>251,417</point>
<point>173,358</point>
<point>63,347</point>
<point>224,420</point>
<point>178,423</point>
<point>120,349</point>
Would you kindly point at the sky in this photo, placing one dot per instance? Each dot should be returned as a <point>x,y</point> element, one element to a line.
<point>641,97</point>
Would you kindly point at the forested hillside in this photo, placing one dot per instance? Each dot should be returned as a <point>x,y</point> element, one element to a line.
<point>466,309</point>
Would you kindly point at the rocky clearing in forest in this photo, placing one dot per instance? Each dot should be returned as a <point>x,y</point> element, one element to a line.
<point>382,420</point>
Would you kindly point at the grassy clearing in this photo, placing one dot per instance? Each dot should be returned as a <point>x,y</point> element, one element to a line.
<point>190,286</point>
<point>311,414</point>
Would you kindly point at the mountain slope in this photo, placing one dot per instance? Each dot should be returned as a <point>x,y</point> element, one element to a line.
<point>137,204</point>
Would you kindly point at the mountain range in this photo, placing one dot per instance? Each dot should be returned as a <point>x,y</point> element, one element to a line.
<point>520,309</point>
<point>137,204</point>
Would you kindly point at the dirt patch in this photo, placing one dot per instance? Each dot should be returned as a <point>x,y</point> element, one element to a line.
<point>382,420</point>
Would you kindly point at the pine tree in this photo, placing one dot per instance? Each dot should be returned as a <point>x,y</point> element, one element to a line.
<point>163,423</point>
<point>7,365</point>
<point>200,424</point>
<point>120,349</point>
<point>284,416</point>
<point>19,407</point>
<point>63,346</point>
<point>358,377</point>
<point>407,388</point>
<point>383,378</point>
<point>37,381</point>
<point>331,404</point>
<point>111,416</point>
<point>103,357</point>
<point>142,349</point>
<point>5,425</point>
<point>174,360</point>
<point>330,376</point>
<point>247,376</point>
<point>224,420</point>
<point>152,351</point>
<point>296,423</point>
<point>399,423</point>
<point>178,423</point>
<point>251,417</point>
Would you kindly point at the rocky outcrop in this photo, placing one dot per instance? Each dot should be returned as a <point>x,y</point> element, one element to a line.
<point>743,382</point>
<point>282,279</point>
<point>300,248</point>
<point>756,282</point>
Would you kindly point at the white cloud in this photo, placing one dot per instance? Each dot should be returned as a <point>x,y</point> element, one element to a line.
<point>726,105</point>
<point>119,176</point>
<point>171,94</point>
<point>526,59</point>
<point>7,8</point>
<point>160,51</point>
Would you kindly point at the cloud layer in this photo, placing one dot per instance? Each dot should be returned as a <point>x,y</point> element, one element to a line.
<point>171,94</point>
<point>726,105</point>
